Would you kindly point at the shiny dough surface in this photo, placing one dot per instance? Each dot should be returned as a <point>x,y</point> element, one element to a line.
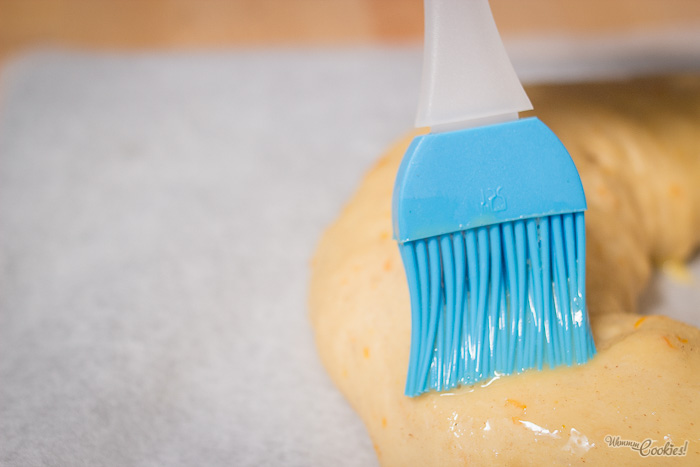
<point>637,148</point>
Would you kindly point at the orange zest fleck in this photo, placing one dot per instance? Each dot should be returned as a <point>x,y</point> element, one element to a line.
<point>384,422</point>
<point>365,352</point>
<point>668,342</point>
<point>515,403</point>
<point>682,340</point>
<point>639,322</point>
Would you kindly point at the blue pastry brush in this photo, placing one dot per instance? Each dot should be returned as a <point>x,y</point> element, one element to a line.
<point>488,211</point>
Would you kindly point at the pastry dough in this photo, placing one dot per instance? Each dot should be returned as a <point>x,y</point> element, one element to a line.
<point>637,147</point>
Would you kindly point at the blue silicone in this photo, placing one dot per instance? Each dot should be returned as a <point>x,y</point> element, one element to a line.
<point>481,176</point>
<point>491,230</point>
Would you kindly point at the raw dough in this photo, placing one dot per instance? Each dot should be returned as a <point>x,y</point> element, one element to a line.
<point>637,147</point>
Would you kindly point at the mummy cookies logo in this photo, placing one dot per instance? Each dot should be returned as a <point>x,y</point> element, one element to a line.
<point>648,447</point>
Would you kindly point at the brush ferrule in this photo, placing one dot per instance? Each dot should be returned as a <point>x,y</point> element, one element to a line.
<point>450,182</point>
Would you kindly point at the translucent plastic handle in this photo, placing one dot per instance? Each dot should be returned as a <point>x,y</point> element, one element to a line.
<point>468,79</point>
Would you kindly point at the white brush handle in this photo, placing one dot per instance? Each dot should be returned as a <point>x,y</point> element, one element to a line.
<point>468,79</point>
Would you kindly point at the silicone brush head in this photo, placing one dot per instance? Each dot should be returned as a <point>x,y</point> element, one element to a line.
<point>490,226</point>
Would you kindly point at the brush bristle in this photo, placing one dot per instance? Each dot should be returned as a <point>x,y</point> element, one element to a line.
<point>497,300</point>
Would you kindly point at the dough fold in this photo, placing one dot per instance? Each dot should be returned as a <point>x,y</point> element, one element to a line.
<point>637,148</point>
